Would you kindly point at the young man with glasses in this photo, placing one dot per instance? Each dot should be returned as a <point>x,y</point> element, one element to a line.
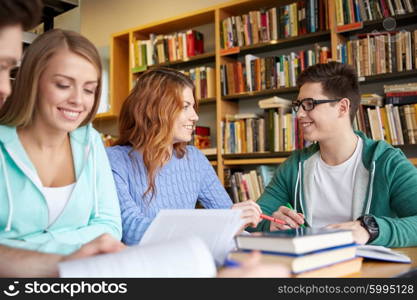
<point>344,179</point>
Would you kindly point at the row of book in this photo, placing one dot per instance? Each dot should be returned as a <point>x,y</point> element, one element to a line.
<point>382,52</point>
<point>204,81</point>
<point>276,131</point>
<point>275,23</point>
<point>243,133</point>
<point>166,48</point>
<point>260,73</point>
<point>396,122</point>
<point>243,186</point>
<point>353,11</point>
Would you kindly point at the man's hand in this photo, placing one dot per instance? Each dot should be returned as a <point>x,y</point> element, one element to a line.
<point>250,212</point>
<point>105,243</point>
<point>360,234</point>
<point>289,216</point>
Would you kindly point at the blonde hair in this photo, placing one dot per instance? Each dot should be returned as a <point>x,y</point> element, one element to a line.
<point>147,118</point>
<point>19,109</point>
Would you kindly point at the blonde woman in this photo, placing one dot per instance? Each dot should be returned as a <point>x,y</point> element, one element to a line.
<point>56,187</point>
<point>152,165</point>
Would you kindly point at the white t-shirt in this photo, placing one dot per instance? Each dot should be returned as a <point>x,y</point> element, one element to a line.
<point>332,191</point>
<point>57,198</point>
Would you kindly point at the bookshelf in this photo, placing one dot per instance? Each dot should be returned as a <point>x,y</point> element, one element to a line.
<point>216,108</point>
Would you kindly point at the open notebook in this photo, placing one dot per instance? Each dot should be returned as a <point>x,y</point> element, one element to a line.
<point>381,253</point>
<point>216,227</point>
<point>178,243</point>
<point>185,257</point>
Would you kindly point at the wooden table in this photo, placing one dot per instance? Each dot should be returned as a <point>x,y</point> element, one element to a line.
<point>370,268</point>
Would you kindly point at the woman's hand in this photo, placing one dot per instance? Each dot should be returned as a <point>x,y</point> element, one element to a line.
<point>250,212</point>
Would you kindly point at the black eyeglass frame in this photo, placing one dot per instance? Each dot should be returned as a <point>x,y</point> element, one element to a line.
<point>296,104</point>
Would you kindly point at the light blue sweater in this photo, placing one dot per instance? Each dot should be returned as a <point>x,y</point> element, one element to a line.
<point>180,183</point>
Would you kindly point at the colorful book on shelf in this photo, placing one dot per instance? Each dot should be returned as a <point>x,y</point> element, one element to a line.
<point>309,261</point>
<point>295,241</point>
<point>381,253</point>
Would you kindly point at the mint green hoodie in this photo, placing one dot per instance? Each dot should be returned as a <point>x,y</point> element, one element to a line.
<point>386,188</point>
<point>92,209</point>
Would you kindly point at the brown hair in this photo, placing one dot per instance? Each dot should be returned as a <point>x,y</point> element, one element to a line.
<point>148,115</point>
<point>337,80</point>
<point>27,13</point>
<point>19,109</point>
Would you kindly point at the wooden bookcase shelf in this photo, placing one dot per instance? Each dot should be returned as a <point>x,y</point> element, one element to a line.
<point>200,59</point>
<point>122,78</point>
<point>256,94</point>
<point>388,76</point>
<point>385,24</point>
<point>309,38</point>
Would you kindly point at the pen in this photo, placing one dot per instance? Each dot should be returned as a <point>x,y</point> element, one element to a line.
<point>290,207</point>
<point>230,263</point>
<point>265,217</point>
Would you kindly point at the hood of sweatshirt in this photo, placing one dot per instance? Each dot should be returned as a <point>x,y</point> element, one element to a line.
<point>12,149</point>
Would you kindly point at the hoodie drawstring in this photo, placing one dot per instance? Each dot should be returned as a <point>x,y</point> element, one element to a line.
<point>371,189</point>
<point>297,183</point>
<point>9,195</point>
<point>93,155</point>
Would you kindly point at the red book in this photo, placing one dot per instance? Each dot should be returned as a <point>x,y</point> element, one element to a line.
<point>408,93</point>
<point>190,43</point>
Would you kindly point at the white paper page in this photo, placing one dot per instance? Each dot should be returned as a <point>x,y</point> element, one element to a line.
<point>185,257</point>
<point>216,227</point>
<point>381,253</point>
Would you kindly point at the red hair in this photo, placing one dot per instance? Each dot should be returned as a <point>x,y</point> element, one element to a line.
<point>147,119</point>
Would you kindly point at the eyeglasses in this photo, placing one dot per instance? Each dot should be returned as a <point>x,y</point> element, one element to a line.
<point>309,103</point>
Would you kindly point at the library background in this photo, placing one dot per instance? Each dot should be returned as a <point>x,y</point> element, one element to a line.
<point>244,57</point>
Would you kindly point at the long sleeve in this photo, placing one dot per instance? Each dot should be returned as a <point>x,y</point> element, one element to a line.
<point>399,230</point>
<point>212,193</point>
<point>134,221</point>
<point>277,193</point>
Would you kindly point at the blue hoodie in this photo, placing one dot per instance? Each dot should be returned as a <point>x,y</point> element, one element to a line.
<point>92,209</point>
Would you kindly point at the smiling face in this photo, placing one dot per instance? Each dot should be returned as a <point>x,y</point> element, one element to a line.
<point>67,90</point>
<point>10,52</point>
<point>184,125</point>
<point>324,120</point>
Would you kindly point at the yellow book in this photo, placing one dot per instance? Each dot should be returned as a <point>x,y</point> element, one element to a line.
<point>385,125</point>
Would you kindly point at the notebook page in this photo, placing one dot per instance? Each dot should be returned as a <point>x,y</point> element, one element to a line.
<point>216,227</point>
<point>185,257</point>
<point>381,253</point>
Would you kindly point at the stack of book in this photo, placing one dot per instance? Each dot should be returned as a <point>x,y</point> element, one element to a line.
<point>307,252</point>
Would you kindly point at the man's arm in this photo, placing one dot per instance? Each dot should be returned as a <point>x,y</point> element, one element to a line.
<point>16,262</point>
